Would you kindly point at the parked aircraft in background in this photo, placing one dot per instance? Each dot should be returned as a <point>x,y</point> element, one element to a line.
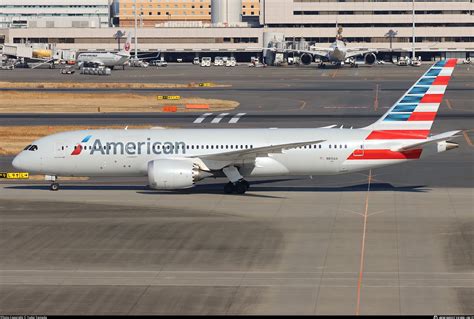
<point>178,158</point>
<point>108,59</point>
<point>337,53</point>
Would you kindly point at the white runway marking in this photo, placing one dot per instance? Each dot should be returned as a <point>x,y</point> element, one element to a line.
<point>236,118</point>
<point>201,118</point>
<point>218,118</point>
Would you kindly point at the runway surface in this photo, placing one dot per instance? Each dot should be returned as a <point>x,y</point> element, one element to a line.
<point>396,240</point>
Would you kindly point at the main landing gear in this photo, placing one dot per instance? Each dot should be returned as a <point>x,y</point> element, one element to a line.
<point>54,186</point>
<point>237,183</point>
<point>239,187</point>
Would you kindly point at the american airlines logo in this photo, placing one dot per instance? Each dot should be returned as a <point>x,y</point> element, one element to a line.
<point>134,148</point>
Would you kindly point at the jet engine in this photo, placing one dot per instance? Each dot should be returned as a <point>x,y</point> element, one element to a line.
<point>370,58</point>
<point>172,173</point>
<point>306,59</point>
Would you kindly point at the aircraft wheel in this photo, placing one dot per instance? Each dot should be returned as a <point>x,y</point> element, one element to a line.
<point>54,187</point>
<point>247,184</point>
<point>240,188</point>
<point>229,188</point>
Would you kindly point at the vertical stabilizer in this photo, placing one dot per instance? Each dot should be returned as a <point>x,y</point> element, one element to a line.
<point>412,116</point>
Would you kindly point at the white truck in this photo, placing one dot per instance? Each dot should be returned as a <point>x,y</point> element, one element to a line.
<point>206,61</point>
<point>218,61</point>
<point>231,62</point>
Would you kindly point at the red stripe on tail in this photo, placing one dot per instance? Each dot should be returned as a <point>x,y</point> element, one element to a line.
<point>432,98</point>
<point>451,63</point>
<point>422,116</point>
<point>398,135</point>
<point>385,155</point>
<point>441,80</point>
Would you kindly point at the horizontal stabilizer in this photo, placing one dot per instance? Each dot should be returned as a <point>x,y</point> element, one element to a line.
<point>432,139</point>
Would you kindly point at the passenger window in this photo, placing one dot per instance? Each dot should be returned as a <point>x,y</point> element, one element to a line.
<point>329,145</point>
<point>320,146</point>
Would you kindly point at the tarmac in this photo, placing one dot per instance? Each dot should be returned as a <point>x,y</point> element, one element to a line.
<point>396,240</point>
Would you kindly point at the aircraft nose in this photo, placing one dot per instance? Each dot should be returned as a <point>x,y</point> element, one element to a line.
<point>19,162</point>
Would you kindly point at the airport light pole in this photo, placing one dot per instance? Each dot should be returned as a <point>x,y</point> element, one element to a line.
<point>413,31</point>
<point>391,34</point>
<point>118,35</point>
<point>98,17</point>
<point>135,35</point>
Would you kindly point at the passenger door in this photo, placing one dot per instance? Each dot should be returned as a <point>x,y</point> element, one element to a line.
<point>360,150</point>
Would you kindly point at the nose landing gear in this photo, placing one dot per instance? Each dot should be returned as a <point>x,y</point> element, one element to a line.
<point>54,185</point>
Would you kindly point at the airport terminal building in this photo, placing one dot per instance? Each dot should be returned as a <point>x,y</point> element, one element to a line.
<point>443,28</point>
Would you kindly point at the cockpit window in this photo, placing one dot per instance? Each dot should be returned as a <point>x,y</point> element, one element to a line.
<point>27,147</point>
<point>33,148</point>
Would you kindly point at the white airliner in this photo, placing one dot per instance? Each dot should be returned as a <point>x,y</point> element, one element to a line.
<point>178,158</point>
<point>337,53</point>
<point>108,59</point>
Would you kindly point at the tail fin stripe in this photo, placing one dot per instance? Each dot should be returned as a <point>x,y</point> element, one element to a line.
<point>422,116</point>
<point>419,90</point>
<point>397,117</point>
<point>411,99</point>
<point>451,63</point>
<point>427,107</point>
<point>436,89</point>
<point>441,80</point>
<point>433,72</point>
<point>426,81</point>
<point>405,108</point>
<point>432,98</point>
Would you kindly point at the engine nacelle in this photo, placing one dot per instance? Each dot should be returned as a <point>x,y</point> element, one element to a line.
<point>370,58</point>
<point>172,173</point>
<point>306,59</point>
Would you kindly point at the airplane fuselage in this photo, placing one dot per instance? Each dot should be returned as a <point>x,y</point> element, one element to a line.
<point>127,152</point>
<point>108,59</point>
<point>337,52</point>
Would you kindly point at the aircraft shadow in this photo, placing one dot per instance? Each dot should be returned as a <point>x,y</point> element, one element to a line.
<point>255,187</point>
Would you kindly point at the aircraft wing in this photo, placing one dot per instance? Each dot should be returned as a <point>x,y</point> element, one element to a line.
<point>320,52</point>
<point>355,52</point>
<point>98,62</point>
<point>220,160</point>
<point>433,139</point>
